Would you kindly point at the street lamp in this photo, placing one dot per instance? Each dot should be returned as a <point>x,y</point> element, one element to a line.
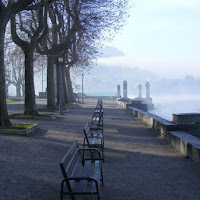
<point>60,60</point>
<point>42,78</point>
<point>82,87</point>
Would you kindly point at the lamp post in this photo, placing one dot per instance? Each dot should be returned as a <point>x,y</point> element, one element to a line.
<point>60,60</point>
<point>82,87</point>
<point>42,79</point>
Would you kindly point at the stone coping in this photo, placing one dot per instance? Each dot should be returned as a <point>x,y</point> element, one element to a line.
<point>157,118</point>
<point>187,137</point>
<point>187,144</point>
<point>24,132</point>
<point>186,117</point>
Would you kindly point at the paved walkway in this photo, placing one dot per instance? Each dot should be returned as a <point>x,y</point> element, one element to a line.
<point>139,164</point>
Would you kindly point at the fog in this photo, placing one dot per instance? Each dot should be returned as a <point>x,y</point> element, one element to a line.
<point>180,94</point>
<point>167,105</point>
<point>170,95</point>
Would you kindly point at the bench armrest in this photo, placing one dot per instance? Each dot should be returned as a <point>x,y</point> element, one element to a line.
<point>92,152</point>
<point>96,129</point>
<point>89,179</point>
<point>95,136</point>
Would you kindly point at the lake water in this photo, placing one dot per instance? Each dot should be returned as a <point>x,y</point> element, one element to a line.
<point>165,106</point>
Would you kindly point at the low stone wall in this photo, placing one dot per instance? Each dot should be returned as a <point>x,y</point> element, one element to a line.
<point>187,144</point>
<point>182,141</point>
<point>123,104</point>
<point>157,123</point>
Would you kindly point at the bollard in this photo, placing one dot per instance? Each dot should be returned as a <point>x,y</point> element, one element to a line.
<point>61,108</point>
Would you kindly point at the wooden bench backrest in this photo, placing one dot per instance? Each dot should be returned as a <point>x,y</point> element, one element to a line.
<point>99,101</point>
<point>87,131</point>
<point>71,158</point>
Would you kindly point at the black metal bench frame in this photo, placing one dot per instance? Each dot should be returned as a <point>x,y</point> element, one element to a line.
<point>82,176</point>
<point>94,138</point>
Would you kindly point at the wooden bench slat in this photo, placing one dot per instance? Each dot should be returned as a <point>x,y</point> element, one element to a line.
<point>85,173</point>
<point>69,154</point>
<point>97,176</point>
<point>75,159</point>
<point>75,172</point>
<point>94,138</point>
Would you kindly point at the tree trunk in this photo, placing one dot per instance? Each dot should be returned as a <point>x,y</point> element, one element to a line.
<point>18,90</point>
<point>4,119</point>
<point>30,105</point>
<point>69,85</point>
<point>65,92</point>
<point>58,82</point>
<point>23,89</point>
<point>51,104</point>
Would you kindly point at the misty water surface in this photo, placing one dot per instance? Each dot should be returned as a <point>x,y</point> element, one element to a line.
<point>165,106</point>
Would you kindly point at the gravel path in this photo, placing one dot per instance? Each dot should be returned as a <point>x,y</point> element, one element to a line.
<point>139,164</point>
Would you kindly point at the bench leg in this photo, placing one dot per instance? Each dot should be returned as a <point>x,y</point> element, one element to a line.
<point>102,153</point>
<point>62,191</point>
<point>102,176</point>
<point>98,196</point>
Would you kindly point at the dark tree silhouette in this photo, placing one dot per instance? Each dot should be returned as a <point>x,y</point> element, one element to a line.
<point>7,10</point>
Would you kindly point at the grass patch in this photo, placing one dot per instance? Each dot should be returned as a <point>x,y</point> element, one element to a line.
<point>10,100</point>
<point>39,115</point>
<point>13,100</point>
<point>23,129</point>
<point>44,116</point>
<point>20,126</point>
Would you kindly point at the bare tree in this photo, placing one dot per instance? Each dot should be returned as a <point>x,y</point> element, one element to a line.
<point>58,40</point>
<point>99,21</point>
<point>32,25</point>
<point>14,62</point>
<point>8,8</point>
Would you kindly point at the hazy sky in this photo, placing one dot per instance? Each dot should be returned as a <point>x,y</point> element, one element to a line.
<point>162,35</point>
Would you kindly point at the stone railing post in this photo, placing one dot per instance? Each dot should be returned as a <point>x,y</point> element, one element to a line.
<point>118,91</point>
<point>147,90</point>
<point>140,91</point>
<point>125,89</point>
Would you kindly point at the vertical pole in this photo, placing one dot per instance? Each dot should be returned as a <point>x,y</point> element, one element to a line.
<point>60,60</point>
<point>82,87</point>
<point>42,79</point>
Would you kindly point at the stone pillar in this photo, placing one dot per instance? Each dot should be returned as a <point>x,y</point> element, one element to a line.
<point>125,89</point>
<point>147,90</point>
<point>118,91</point>
<point>140,91</point>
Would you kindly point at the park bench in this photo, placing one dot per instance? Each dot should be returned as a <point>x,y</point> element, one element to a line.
<point>94,138</point>
<point>82,172</point>
<point>97,118</point>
